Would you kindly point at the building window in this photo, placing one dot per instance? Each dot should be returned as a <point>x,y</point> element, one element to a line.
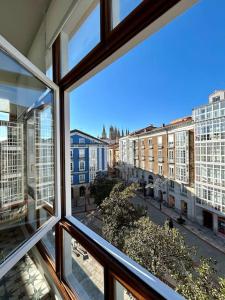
<point>171,171</point>
<point>183,189</point>
<point>81,165</point>
<point>160,169</point>
<point>171,140</point>
<point>171,155</point>
<point>151,166</point>
<point>81,153</point>
<point>81,178</point>
<point>171,184</point>
<point>159,153</point>
<point>159,141</point>
<point>71,166</point>
<point>76,32</point>
<point>151,152</point>
<point>92,176</point>
<point>81,140</point>
<point>182,156</point>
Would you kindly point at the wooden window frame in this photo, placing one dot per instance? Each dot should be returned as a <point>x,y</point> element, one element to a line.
<point>111,40</point>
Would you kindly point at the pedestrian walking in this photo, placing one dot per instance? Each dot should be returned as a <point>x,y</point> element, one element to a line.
<point>170,223</point>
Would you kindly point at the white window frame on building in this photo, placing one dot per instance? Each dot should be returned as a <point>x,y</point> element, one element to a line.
<point>81,152</point>
<point>171,155</point>
<point>160,169</point>
<point>151,166</point>
<point>81,165</point>
<point>81,178</point>
<point>171,140</point>
<point>159,141</point>
<point>171,171</point>
<point>81,140</point>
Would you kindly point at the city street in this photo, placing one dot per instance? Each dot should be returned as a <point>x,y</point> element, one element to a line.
<point>93,220</point>
<point>202,248</point>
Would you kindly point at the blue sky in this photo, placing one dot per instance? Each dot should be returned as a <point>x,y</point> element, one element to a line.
<point>161,79</point>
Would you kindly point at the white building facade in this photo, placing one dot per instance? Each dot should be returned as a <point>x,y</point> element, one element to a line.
<point>210,162</point>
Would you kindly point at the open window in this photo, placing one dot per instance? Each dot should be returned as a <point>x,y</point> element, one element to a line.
<point>29,155</point>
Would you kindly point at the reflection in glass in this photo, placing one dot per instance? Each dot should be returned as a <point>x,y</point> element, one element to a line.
<point>49,241</point>
<point>121,293</point>
<point>25,281</point>
<point>83,273</point>
<point>122,8</point>
<point>26,154</point>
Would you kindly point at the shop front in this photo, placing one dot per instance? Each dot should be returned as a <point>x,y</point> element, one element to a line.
<point>221,226</point>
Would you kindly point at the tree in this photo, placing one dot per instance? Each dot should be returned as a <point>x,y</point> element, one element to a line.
<point>101,188</point>
<point>159,249</point>
<point>104,135</point>
<point>119,214</point>
<point>203,284</point>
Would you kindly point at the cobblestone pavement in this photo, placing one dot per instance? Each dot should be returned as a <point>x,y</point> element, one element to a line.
<point>203,248</point>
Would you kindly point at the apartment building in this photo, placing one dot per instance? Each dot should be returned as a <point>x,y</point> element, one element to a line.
<point>12,171</point>
<point>113,157</point>
<point>210,162</point>
<point>163,158</point>
<point>88,157</point>
<point>40,156</point>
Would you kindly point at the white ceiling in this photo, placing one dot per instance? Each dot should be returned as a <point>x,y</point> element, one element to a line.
<point>20,21</point>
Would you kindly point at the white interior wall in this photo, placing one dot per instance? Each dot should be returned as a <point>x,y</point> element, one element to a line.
<point>58,13</point>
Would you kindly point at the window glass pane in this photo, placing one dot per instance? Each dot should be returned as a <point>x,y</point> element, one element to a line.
<point>49,242</point>
<point>121,293</point>
<point>82,272</point>
<point>26,154</point>
<point>80,34</point>
<point>122,8</point>
<point>132,134</point>
<point>25,281</point>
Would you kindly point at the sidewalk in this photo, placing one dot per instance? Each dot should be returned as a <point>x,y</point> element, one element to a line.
<point>203,233</point>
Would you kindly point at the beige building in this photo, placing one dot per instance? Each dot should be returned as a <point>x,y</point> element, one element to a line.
<point>113,157</point>
<point>164,158</point>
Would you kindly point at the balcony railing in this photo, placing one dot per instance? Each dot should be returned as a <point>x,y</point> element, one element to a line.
<point>150,146</point>
<point>160,146</point>
<point>117,267</point>
<point>171,160</point>
<point>151,158</point>
<point>160,159</point>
